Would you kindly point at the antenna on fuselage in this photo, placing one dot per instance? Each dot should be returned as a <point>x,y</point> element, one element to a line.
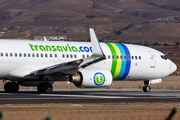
<point>45,38</point>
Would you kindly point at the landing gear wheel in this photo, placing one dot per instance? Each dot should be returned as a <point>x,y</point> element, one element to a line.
<point>40,87</point>
<point>14,87</point>
<point>146,88</point>
<point>48,88</point>
<point>7,87</point>
<point>44,88</point>
<point>11,87</point>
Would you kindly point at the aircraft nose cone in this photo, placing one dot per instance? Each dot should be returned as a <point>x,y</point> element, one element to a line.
<point>173,67</point>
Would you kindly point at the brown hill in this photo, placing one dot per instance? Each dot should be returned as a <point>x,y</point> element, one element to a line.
<point>115,20</point>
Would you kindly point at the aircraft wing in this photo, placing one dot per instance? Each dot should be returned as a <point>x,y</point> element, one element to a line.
<point>72,67</point>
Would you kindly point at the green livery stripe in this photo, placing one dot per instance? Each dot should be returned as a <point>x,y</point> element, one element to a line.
<point>118,61</point>
<point>114,61</point>
<point>120,66</point>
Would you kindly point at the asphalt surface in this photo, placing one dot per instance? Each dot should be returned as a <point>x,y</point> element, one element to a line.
<point>90,96</point>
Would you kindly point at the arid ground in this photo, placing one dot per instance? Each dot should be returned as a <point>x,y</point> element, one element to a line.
<point>96,111</point>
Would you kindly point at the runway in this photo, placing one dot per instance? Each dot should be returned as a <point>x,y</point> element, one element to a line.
<point>90,96</point>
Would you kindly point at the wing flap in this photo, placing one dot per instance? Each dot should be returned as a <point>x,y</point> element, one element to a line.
<point>65,68</point>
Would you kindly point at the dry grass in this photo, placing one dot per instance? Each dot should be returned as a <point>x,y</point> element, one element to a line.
<point>105,111</point>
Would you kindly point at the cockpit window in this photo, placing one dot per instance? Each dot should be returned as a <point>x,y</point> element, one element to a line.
<point>164,57</point>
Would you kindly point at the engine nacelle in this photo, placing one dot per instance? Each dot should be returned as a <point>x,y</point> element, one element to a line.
<point>92,78</point>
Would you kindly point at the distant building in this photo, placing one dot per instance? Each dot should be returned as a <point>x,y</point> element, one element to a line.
<point>51,38</point>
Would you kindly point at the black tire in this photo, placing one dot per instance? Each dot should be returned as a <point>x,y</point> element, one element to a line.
<point>40,87</point>
<point>14,87</point>
<point>7,87</point>
<point>11,87</point>
<point>44,88</point>
<point>146,88</point>
<point>48,88</point>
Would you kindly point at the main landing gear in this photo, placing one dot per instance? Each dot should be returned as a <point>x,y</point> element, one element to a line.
<point>44,88</point>
<point>11,87</point>
<point>146,88</point>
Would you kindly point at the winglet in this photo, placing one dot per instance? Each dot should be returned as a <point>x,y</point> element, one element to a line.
<point>96,48</point>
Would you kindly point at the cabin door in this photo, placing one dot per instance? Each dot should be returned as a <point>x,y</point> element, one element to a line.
<point>152,59</point>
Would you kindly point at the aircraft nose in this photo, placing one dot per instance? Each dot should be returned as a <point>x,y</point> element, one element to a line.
<point>173,67</point>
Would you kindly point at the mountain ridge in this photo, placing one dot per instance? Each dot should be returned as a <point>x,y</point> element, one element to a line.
<point>72,18</point>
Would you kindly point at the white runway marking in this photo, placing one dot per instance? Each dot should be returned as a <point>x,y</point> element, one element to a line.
<point>89,96</point>
<point>65,95</point>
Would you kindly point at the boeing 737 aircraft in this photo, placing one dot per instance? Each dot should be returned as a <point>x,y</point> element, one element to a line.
<point>86,64</point>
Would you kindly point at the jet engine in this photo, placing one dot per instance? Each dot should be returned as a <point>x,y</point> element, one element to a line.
<point>92,78</point>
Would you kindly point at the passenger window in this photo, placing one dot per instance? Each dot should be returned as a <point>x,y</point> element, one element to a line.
<point>33,55</point>
<point>2,54</point>
<point>15,54</point>
<point>132,57</point>
<point>24,54</point>
<point>140,57</point>
<point>71,55</point>
<point>63,55</point>
<point>37,55</point>
<point>67,55</point>
<point>75,56</point>
<point>41,55</point>
<point>83,56</point>
<point>124,57</point>
<point>20,55</point>
<point>121,57</point>
<point>29,55</point>
<point>112,56</point>
<point>117,57</point>
<point>136,57</point>
<point>87,56</point>
<point>6,54</point>
<point>55,55</point>
<point>50,55</point>
<point>109,56</point>
<point>47,55</point>
<point>11,54</point>
<point>128,57</point>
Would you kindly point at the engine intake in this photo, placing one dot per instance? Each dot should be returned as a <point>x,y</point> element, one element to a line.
<point>76,79</point>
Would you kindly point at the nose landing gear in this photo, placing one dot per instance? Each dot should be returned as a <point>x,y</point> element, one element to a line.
<point>146,88</point>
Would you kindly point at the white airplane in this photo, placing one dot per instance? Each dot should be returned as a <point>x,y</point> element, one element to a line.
<point>87,65</point>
